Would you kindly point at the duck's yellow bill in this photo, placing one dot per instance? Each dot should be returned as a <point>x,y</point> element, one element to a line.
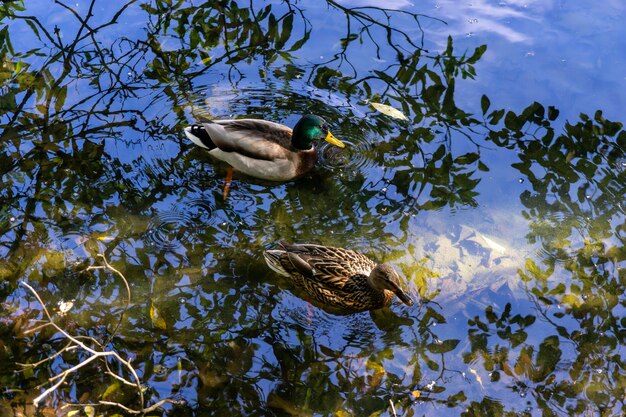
<point>332,139</point>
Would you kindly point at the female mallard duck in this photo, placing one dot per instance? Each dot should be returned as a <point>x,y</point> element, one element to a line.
<point>336,277</point>
<point>263,149</point>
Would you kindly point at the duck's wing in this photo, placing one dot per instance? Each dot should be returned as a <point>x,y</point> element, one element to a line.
<point>257,139</point>
<point>332,267</point>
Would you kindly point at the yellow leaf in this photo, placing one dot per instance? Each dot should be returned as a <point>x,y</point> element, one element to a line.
<point>534,270</point>
<point>374,380</point>
<point>389,111</point>
<point>73,413</point>
<point>157,320</point>
<point>416,394</point>
<point>111,390</point>
<point>571,300</point>
<point>342,413</point>
<point>89,411</point>
<point>524,364</point>
<point>28,372</point>
<point>375,366</point>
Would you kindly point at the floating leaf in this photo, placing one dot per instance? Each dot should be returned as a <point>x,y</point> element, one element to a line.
<point>65,306</point>
<point>493,245</point>
<point>179,368</point>
<point>389,111</point>
<point>157,319</point>
<point>478,378</point>
<point>89,411</point>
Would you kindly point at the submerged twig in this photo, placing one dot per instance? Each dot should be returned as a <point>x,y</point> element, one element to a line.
<point>144,410</point>
<point>96,352</point>
<point>76,343</point>
<point>49,358</point>
<point>107,265</point>
<point>393,409</point>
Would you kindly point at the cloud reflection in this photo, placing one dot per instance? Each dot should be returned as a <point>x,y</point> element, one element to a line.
<point>386,4</point>
<point>488,16</point>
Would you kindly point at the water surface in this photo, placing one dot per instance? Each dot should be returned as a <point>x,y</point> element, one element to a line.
<point>500,200</point>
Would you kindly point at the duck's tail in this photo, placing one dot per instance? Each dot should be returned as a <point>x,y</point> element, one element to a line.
<point>199,135</point>
<point>273,259</point>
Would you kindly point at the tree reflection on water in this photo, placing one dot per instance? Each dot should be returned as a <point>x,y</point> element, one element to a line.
<point>92,158</point>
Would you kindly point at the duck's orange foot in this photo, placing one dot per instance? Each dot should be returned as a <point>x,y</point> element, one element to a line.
<point>227,181</point>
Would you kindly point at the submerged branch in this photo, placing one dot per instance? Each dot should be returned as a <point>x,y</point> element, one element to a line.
<point>94,354</point>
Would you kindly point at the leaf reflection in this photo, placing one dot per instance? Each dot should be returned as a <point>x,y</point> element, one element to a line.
<point>92,156</point>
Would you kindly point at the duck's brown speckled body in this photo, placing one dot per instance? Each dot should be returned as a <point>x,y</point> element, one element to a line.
<point>336,277</point>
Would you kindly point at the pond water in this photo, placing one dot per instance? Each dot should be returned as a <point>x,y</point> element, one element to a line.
<point>500,200</point>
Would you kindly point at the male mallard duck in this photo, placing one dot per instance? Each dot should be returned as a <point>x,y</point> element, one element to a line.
<point>263,149</point>
<point>336,277</point>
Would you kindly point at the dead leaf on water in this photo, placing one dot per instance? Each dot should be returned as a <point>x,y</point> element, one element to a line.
<point>493,245</point>
<point>389,111</point>
<point>65,306</point>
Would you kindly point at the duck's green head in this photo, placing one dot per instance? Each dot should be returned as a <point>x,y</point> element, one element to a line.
<point>310,129</point>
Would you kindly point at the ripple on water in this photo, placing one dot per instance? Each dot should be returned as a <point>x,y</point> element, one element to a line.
<point>170,229</point>
<point>201,210</point>
<point>354,157</point>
